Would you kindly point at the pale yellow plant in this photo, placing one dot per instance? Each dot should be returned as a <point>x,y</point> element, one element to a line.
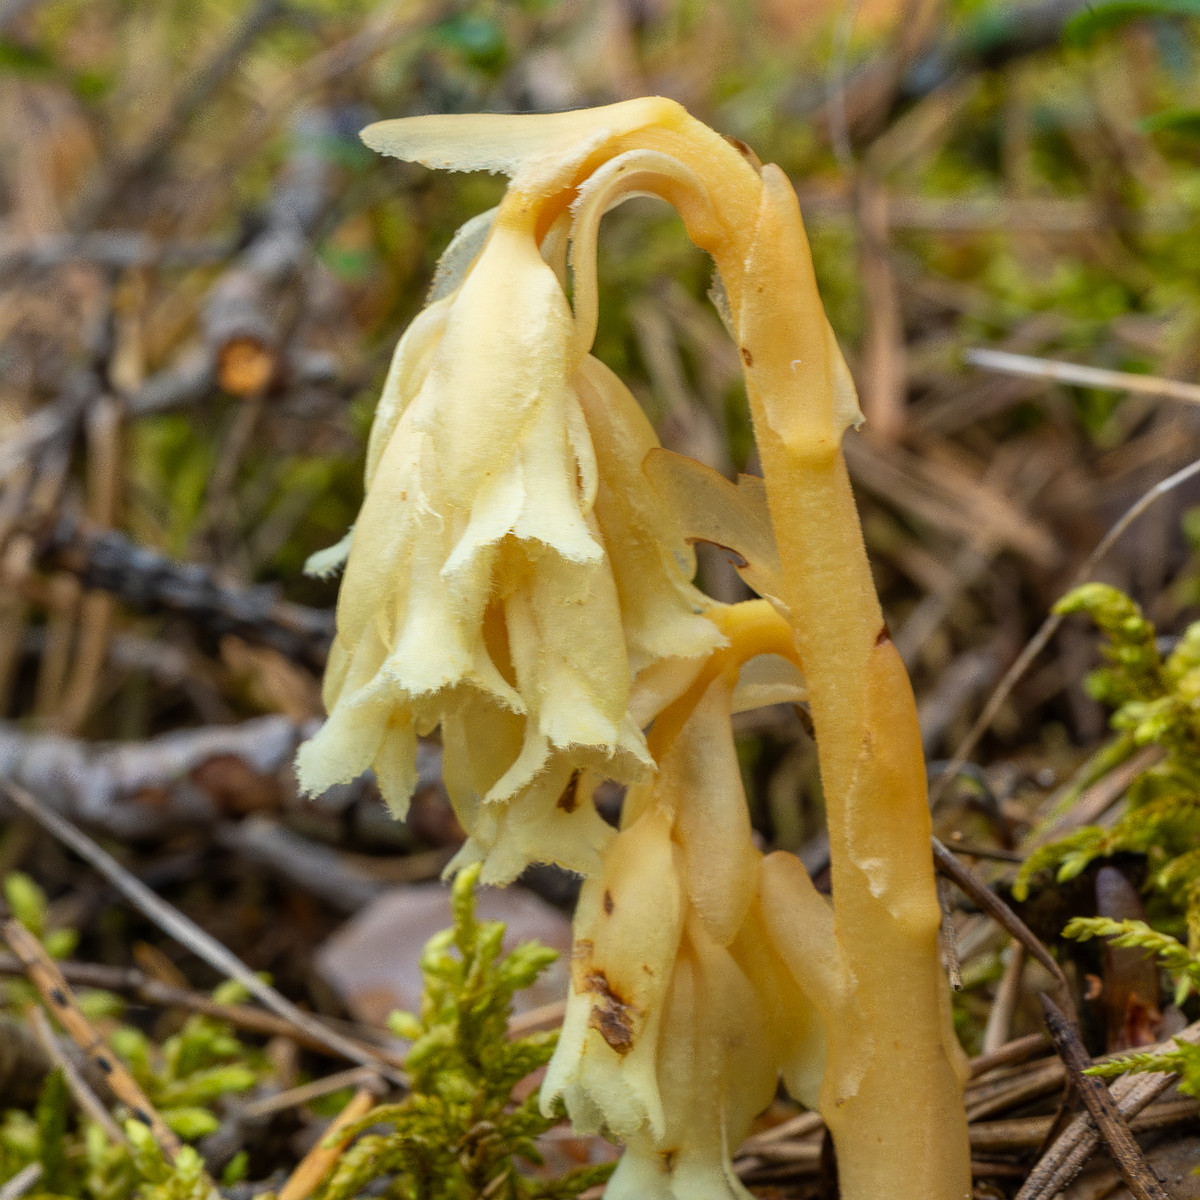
<point>529,593</point>
<point>679,1024</point>
<point>512,576</point>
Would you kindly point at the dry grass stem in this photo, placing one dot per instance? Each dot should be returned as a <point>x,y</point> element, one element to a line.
<point>1082,376</point>
<point>318,1162</point>
<point>56,992</point>
<point>172,921</point>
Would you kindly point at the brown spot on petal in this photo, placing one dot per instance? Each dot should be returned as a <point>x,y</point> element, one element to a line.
<point>747,357</point>
<point>884,635</point>
<point>611,1017</point>
<point>608,902</point>
<point>569,800</point>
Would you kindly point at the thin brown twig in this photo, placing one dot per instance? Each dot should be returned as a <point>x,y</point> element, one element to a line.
<point>1023,1133</point>
<point>1015,1051</point>
<point>988,1097</point>
<point>356,1077</point>
<point>1067,1156</point>
<point>1135,1171</point>
<point>188,933</point>
<point>44,974</point>
<point>1050,625</point>
<point>78,1086</point>
<point>316,1164</point>
<point>975,888</point>
<point>146,990</point>
<point>1004,1004</point>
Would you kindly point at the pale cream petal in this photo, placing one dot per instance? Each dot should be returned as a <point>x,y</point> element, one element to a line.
<point>567,645</point>
<point>799,923</point>
<point>410,363</point>
<point>659,683</point>
<point>540,145</point>
<point>605,1064</point>
<point>555,504</point>
<point>328,562</point>
<point>460,255</point>
<point>733,1019</point>
<point>553,820</point>
<point>480,741</point>
<point>652,564</point>
<point>395,763</point>
<point>790,1019</point>
<point>689,1159</point>
<point>768,679</point>
<point>713,822</point>
<point>711,509</point>
<point>344,746</point>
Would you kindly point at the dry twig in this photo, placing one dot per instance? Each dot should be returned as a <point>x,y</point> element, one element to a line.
<point>316,1164</point>
<point>173,922</point>
<point>1083,376</point>
<point>975,888</point>
<point>59,998</point>
<point>1134,1169</point>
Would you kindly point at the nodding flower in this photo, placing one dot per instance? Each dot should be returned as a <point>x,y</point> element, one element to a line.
<point>682,1012</point>
<point>511,576</point>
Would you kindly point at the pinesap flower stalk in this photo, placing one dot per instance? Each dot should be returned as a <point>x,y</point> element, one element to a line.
<point>517,581</point>
<point>682,1012</point>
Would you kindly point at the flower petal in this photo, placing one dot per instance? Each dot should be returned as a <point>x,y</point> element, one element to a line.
<point>516,146</point>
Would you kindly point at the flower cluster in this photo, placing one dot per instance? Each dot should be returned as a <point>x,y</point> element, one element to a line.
<point>678,1026</point>
<point>512,576</point>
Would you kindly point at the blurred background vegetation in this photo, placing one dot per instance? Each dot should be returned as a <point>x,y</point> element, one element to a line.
<point>203,273</point>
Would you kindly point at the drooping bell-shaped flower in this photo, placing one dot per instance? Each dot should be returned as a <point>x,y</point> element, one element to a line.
<point>681,1014</point>
<point>512,576</point>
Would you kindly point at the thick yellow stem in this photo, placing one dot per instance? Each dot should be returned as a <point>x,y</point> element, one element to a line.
<point>892,1094</point>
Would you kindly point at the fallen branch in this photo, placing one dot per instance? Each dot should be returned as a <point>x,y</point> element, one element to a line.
<point>150,582</point>
<point>172,922</point>
<point>1134,1169</point>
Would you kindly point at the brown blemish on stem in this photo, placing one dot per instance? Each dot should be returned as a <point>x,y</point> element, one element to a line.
<point>747,357</point>
<point>745,151</point>
<point>611,1017</point>
<point>608,902</point>
<point>884,635</point>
